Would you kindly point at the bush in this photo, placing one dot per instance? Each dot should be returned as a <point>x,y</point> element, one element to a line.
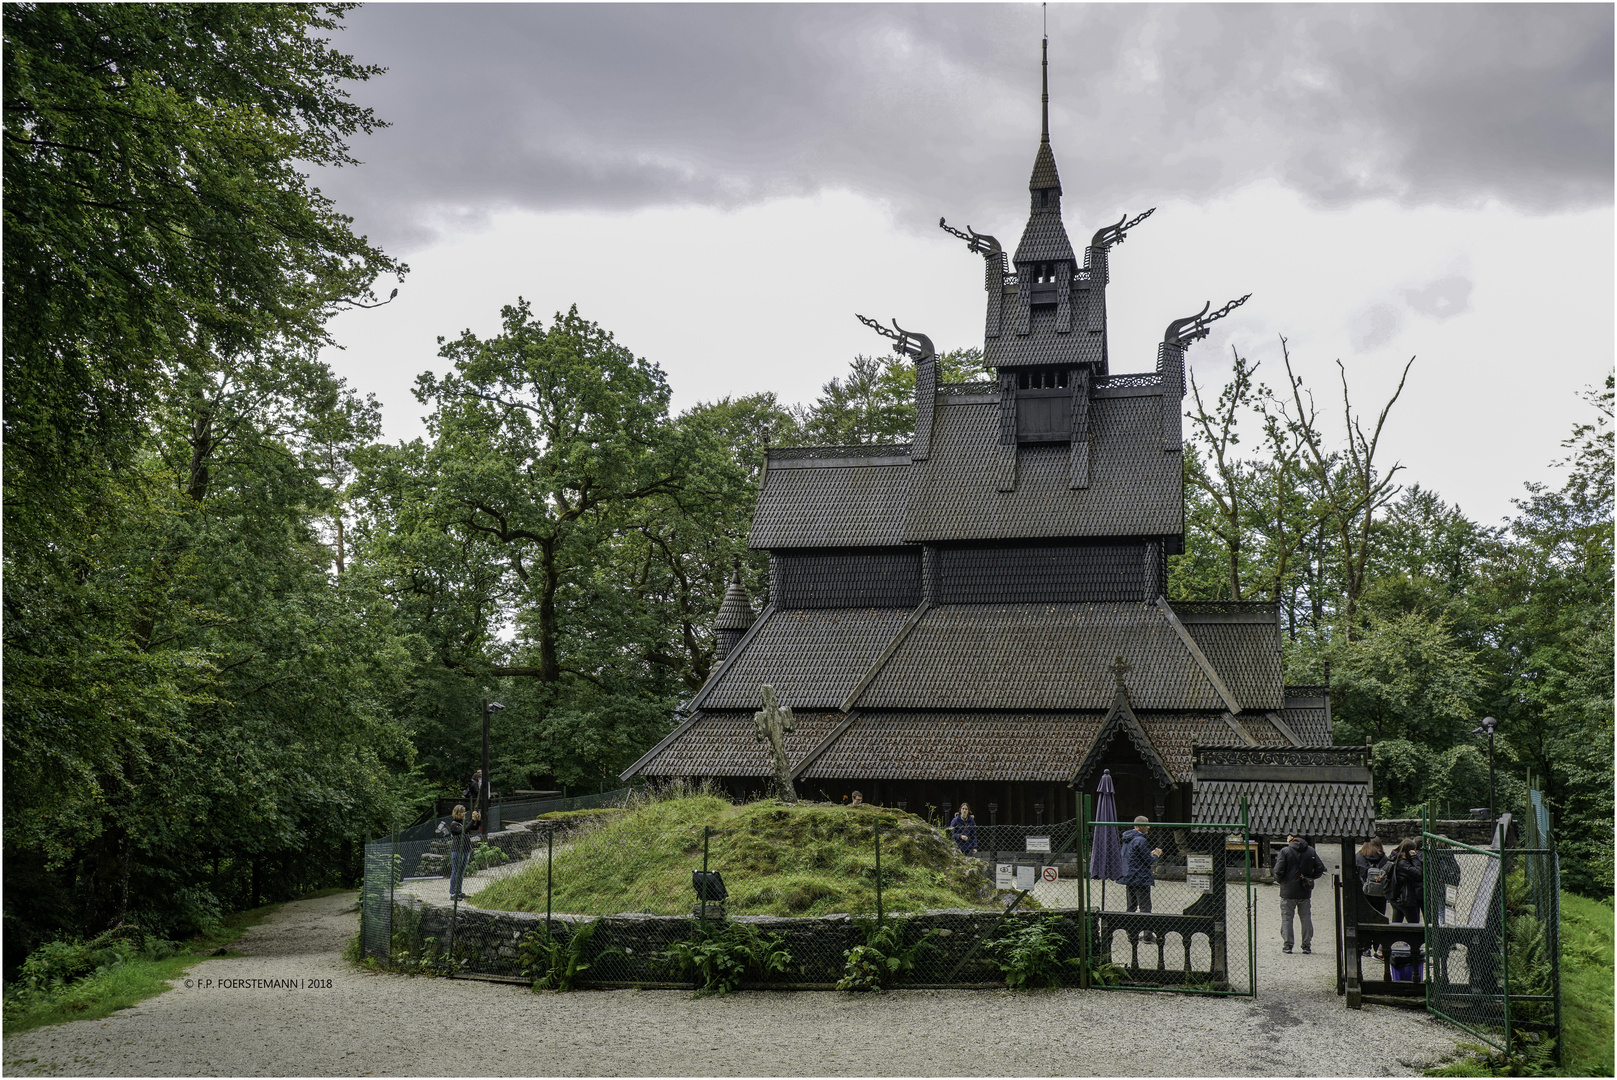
<point>1029,953</point>
<point>883,957</point>
<point>722,954</point>
<point>556,965</point>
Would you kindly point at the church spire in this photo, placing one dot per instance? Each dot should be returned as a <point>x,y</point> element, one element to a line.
<point>1044,98</point>
<point>1045,181</point>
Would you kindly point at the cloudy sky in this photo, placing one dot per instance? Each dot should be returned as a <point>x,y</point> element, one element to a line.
<point>723,187</point>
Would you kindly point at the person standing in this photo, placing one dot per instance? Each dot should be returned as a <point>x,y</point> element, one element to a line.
<point>1295,868</point>
<point>1404,889</point>
<point>1139,859</point>
<point>963,828</point>
<point>1372,857</point>
<point>459,850</point>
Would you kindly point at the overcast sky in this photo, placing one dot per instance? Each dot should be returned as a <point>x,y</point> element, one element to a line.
<point>724,186</point>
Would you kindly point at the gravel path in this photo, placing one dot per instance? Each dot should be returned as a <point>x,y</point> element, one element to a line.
<point>340,1021</point>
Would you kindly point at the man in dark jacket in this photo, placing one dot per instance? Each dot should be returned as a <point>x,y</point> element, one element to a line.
<point>1295,868</point>
<point>1138,859</point>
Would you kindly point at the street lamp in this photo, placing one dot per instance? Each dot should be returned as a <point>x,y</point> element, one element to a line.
<point>1487,727</point>
<point>485,795</point>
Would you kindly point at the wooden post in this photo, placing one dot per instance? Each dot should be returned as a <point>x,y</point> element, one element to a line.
<point>1350,926</point>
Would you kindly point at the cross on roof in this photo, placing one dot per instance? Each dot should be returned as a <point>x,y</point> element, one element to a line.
<point>1119,668</point>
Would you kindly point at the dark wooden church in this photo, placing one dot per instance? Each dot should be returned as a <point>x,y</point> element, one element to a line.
<point>980,615</point>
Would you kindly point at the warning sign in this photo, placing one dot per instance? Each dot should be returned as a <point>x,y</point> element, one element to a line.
<point>1027,876</point>
<point>1199,864</point>
<point>1038,843</point>
<point>1004,875</point>
<point>1050,874</point>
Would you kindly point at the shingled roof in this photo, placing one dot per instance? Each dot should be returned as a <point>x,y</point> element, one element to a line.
<point>1321,792</point>
<point>958,746</point>
<point>1246,656</point>
<point>1306,714</point>
<point>1039,656</point>
<point>1134,486</point>
<point>1317,811</point>
<point>1045,238</point>
<point>724,744</point>
<point>832,502</point>
<point>811,656</point>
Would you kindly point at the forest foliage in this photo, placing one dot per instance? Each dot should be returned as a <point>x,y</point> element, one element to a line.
<point>243,634</point>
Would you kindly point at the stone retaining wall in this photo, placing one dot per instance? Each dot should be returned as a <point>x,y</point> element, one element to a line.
<point>490,940</point>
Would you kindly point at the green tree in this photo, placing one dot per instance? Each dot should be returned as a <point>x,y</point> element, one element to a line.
<point>171,638</point>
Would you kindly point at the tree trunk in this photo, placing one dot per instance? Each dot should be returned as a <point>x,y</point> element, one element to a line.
<point>550,579</point>
<point>104,881</point>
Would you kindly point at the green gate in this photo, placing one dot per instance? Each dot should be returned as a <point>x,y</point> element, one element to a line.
<point>1492,950</point>
<point>1193,930</point>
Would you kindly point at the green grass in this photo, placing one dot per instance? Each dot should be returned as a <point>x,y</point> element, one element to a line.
<point>137,979</point>
<point>776,859</point>
<point>569,815</point>
<point>1586,986</point>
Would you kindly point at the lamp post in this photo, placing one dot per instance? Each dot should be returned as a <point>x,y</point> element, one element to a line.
<point>487,791</point>
<point>1487,727</point>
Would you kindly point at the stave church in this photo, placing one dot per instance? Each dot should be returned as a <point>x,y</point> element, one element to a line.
<point>981,615</point>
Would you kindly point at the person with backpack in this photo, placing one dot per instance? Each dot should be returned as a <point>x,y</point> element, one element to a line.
<point>1405,887</point>
<point>1375,872</point>
<point>1371,864</point>
<point>1295,868</point>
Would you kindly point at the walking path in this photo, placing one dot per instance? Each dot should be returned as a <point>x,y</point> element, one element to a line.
<point>231,1016</point>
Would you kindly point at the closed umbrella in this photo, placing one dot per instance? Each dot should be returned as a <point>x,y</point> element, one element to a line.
<point>1106,852</point>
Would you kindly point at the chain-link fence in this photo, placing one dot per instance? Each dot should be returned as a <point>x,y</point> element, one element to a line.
<point>858,899</point>
<point>1492,942</point>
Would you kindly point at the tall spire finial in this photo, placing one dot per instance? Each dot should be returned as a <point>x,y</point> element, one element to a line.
<point>1044,135</point>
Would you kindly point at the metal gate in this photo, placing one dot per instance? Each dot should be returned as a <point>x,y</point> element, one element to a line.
<point>1192,929</point>
<point>376,898</point>
<point>1492,951</point>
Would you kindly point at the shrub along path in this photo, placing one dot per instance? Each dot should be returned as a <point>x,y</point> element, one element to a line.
<point>365,1023</point>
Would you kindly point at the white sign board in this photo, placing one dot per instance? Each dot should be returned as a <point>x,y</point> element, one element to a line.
<point>1451,896</point>
<point>1004,876</point>
<point>1027,877</point>
<point>1050,874</point>
<point>1199,882</point>
<point>1198,864</point>
<point>1038,843</point>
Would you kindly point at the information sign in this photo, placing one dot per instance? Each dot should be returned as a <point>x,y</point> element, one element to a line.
<point>1199,882</point>
<point>1004,876</point>
<point>1027,877</point>
<point>1038,843</point>
<point>1199,864</point>
<point>1050,874</point>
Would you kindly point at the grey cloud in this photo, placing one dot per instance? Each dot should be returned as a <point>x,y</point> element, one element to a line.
<point>1443,298</point>
<point>935,108</point>
<point>1374,326</point>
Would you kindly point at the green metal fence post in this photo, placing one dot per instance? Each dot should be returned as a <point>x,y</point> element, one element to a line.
<point>1085,923</point>
<point>1251,913</point>
<point>1504,932</point>
<point>879,916</point>
<point>550,864</point>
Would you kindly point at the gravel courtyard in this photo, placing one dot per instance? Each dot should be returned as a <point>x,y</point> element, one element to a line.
<point>362,1024</point>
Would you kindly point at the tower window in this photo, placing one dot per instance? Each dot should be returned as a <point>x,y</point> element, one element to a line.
<point>1043,379</point>
<point>1044,198</point>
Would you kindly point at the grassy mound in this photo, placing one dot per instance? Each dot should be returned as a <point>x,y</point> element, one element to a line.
<point>776,859</point>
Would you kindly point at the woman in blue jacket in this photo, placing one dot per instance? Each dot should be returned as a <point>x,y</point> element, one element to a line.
<point>963,830</point>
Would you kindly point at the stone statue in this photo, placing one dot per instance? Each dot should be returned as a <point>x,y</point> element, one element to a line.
<point>773,724</point>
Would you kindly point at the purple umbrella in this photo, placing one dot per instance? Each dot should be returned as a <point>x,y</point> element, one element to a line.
<point>1106,852</point>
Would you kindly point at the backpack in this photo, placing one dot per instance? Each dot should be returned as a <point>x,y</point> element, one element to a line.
<point>1379,880</point>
